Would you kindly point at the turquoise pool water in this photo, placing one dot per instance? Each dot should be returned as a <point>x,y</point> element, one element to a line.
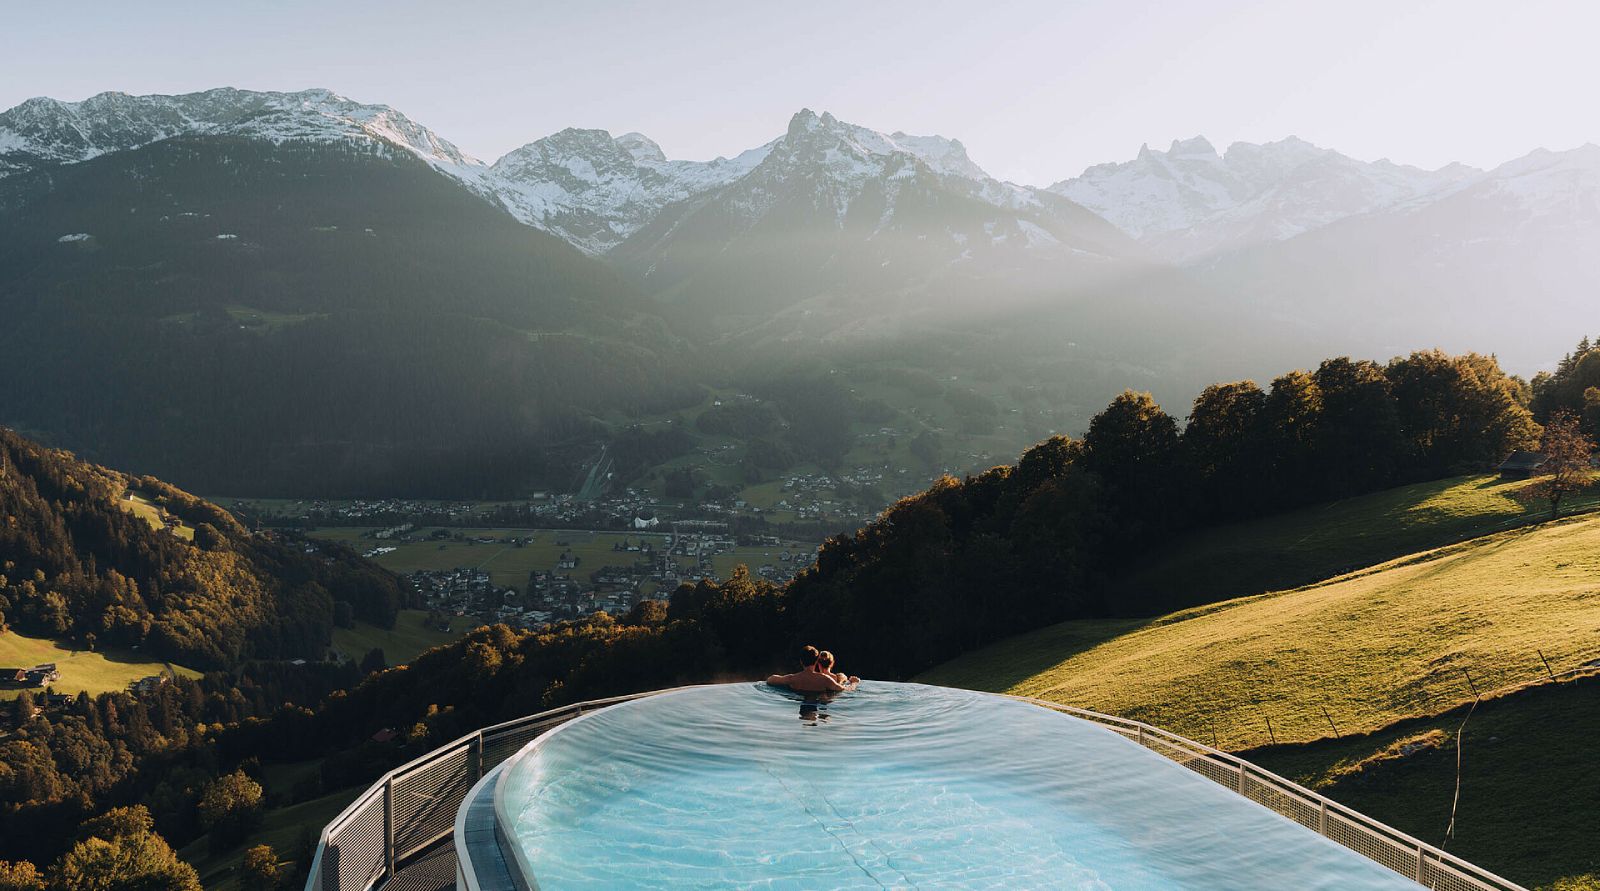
<point>893,786</point>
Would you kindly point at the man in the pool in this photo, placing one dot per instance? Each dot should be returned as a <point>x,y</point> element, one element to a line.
<point>813,677</point>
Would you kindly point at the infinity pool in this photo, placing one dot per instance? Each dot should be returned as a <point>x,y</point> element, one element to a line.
<point>893,786</point>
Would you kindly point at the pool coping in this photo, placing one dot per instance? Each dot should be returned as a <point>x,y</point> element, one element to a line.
<point>480,843</point>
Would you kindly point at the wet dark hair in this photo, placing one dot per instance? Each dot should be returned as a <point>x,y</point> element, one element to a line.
<point>808,656</point>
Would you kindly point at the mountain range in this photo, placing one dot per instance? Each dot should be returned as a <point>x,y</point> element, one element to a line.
<point>596,191</point>
<point>593,278</point>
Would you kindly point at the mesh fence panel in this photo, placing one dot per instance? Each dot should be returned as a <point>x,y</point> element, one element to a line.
<point>1219,772</point>
<point>354,856</point>
<point>425,799</point>
<point>506,743</point>
<point>1284,801</point>
<point>1444,877</point>
<point>1372,845</point>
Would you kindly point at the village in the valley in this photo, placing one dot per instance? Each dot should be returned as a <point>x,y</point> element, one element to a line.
<point>552,556</point>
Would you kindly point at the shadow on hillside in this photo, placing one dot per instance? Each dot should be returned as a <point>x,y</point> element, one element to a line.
<point>115,655</point>
<point>1525,768</point>
<point>1007,663</point>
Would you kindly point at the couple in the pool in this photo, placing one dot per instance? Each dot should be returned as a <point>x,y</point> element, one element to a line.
<point>816,674</point>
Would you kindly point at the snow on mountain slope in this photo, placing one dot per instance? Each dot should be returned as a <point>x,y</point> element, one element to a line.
<point>595,191</point>
<point>1501,262</point>
<point>1160,192</point>
<point>837,163</point>
<point>836,208</point>
<point>1190,201</point>
<point>44,132</point>
<point>1563,185</point>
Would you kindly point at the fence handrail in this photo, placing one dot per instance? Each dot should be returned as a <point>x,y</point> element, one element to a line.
<point>1254,771</point>
<point>1429,859</point>
<point>474,741</point>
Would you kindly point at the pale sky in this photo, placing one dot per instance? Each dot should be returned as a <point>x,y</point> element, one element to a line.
<point>1036,90</point>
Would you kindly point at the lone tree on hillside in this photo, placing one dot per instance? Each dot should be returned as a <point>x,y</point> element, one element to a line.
<point>261,870</point>
<point>1567,450</point>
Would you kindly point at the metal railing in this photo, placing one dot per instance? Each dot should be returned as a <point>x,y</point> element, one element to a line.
<point>1426,864</point>
<point>413,807</point>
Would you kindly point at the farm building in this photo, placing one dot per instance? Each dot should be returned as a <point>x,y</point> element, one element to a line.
<point>1520,465</point>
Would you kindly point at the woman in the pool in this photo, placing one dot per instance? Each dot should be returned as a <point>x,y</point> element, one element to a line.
<point>825,665</point>
<point>816,676</point>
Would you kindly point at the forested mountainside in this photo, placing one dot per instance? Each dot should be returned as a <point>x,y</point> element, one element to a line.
<point>306,317</point>
<point>77,561</point>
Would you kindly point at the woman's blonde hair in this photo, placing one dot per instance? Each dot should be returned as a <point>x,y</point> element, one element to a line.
<point>825,658</point>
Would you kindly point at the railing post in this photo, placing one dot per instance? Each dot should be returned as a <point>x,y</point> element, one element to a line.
<point>388,826</point>
<point>1241,777</point>
<point>1421,854</point>
<point>1322,817</point>
<point>477,754</point>
<point>1141,735</point>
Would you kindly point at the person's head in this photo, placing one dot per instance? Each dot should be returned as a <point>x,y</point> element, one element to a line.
<point>808,656</point>
<point>825,661</point>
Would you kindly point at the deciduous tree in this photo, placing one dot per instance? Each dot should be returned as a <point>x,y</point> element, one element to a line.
<point>260,870</point>
<point>1567,451</point>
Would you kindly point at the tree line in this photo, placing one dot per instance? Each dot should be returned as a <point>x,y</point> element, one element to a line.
<point>1574,386</point>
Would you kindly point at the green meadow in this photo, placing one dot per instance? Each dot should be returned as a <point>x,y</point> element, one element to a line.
<point>91,672</point>
<point>1409,637</point>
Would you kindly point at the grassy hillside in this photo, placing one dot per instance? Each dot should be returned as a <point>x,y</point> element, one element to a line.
<point>405,641</point>
<point>141,506</point>
<point>1319,542</point>
<point>1528,785</point>
<point>101,672</point>
<point>1404,638</point>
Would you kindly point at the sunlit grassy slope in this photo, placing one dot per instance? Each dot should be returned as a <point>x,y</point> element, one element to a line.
<point>404,642</point>
<point>100,672</point>
<point>1319,542</point>
<point>141,506</point>
<point>1395,640</point>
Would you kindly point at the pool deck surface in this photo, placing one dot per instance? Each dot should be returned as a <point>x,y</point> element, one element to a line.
<point>432,870</point>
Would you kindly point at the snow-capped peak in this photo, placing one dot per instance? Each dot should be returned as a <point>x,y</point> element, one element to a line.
<point>1545,181</point>
<point>946,157</point>
<point>595,190</point>
<point>1196,149</point>
<point>641,147</point>
<point>1192,201</point>
<point>48,131</point>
